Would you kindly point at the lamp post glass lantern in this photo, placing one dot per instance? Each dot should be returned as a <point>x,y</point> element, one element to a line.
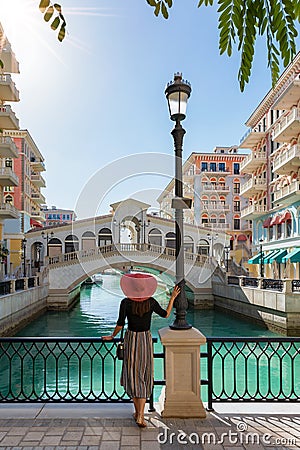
<point>177,93</point>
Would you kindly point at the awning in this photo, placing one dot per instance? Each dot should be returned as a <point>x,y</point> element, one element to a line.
<point>255,259</point>
<point>285,217</point>
<point>271,254</point>
<point>275,220</point>
<point>241,237</point>
<point>35,223</point>
<point>293,256</point>
<point>231,238</point>
<point>267,222</point>
<point>279,257</point>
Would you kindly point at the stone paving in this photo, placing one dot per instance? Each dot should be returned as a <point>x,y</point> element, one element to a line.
<point>219,431</point>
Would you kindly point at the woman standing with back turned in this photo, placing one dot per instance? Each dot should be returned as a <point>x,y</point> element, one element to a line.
<point>137,307</point>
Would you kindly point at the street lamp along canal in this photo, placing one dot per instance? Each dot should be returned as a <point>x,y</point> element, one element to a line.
<point>227,250</point>
<point>177,93</point>
<point>261,258</point>
<point>46,236</point>
<point>24,256</point>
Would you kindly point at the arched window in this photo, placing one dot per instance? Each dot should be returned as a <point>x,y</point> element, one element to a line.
<point>88,240</point>
<point>203,247</point>
<point>71,243</point>
<point>188,244</point>
<point>155,237</point>
<point>55,247</point>
<point>104,237</point>
<point>170,240</point>
<point>9,199</point>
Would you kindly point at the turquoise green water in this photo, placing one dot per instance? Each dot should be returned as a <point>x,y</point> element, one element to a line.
<point>95,315</point>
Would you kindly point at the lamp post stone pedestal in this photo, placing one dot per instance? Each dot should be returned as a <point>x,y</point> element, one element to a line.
<point>182,373</point>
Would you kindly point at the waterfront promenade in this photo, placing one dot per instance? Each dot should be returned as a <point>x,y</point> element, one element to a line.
<point>111,427</point>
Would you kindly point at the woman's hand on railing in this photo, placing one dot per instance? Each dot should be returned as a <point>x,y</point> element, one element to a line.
<point>107,338</point>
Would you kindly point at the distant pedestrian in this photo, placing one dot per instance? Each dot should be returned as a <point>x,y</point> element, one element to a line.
<point>137,308</point>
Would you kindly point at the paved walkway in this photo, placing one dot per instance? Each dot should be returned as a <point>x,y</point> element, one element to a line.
<point>111,427</point>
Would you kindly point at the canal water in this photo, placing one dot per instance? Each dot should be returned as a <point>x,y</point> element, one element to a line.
<point>96,313</point>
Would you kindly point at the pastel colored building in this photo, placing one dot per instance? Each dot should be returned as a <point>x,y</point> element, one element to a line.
<point>9,179</point>
<point>273,185</point>
<point>58,216</point>
<point>213,180</point>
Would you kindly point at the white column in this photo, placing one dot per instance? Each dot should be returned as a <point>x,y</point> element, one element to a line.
<point>182,373</point>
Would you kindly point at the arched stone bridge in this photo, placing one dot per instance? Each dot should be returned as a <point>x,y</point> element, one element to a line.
<point>80,249</point>
<point>67,271</point>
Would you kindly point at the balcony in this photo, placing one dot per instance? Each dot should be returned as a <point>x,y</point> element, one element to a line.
<point>289,94</point>
<point>253,161</point>
<point>287,161</point>
<point>288,194</point>
<point>252,137</point>
<point>287,127</point>
<point>8,177</point>
<point>209,187</point>
<point>8,58</point>
<point>38,180</point>
<point>216,226</point>
<point>253,211</point>
<point>8,90</point>
<point>8,118</point>
<point>38,215</point>
<point>38,197</point>
<point>8,148</point>
<point>252,186</point>
<point>8,211</point>
<point>37,165</point>
<point>215,206</point>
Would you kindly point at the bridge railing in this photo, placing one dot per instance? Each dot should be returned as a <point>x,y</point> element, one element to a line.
<point>119,249</point>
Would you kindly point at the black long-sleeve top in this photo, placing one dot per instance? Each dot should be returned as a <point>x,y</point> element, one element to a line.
<point>135,322</point>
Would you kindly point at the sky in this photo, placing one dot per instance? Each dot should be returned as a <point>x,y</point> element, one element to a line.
<point>95,103</point>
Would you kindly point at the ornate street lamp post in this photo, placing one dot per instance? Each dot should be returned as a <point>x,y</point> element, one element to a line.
<point>227,250</point>
<point>212,238</point>
<point>177,93</point>
<point>46,236</point>
<point>24,256</point>
<point>261,258</point>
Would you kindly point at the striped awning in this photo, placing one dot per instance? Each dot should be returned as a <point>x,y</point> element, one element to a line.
<point>255,259</point>
<point>279,256</point>
<point>271,254</point>
<point>293,256</point>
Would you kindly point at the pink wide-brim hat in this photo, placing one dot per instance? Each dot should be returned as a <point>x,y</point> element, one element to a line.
<point>138,286</point>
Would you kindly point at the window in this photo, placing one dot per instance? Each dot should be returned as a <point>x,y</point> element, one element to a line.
<point>236,205</point>
<point>204,166</point>
<point>222,167</point>
<point>236,224</point>
<point>236,168</point>
<point>204,220</point>
<point>213,167</point>
<point>9,199</point>
<point>236,188</point>
<point>8,162</point>
<point>288,228</point>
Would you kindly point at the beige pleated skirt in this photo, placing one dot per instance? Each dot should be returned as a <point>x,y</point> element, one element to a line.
<point>137,369</point>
